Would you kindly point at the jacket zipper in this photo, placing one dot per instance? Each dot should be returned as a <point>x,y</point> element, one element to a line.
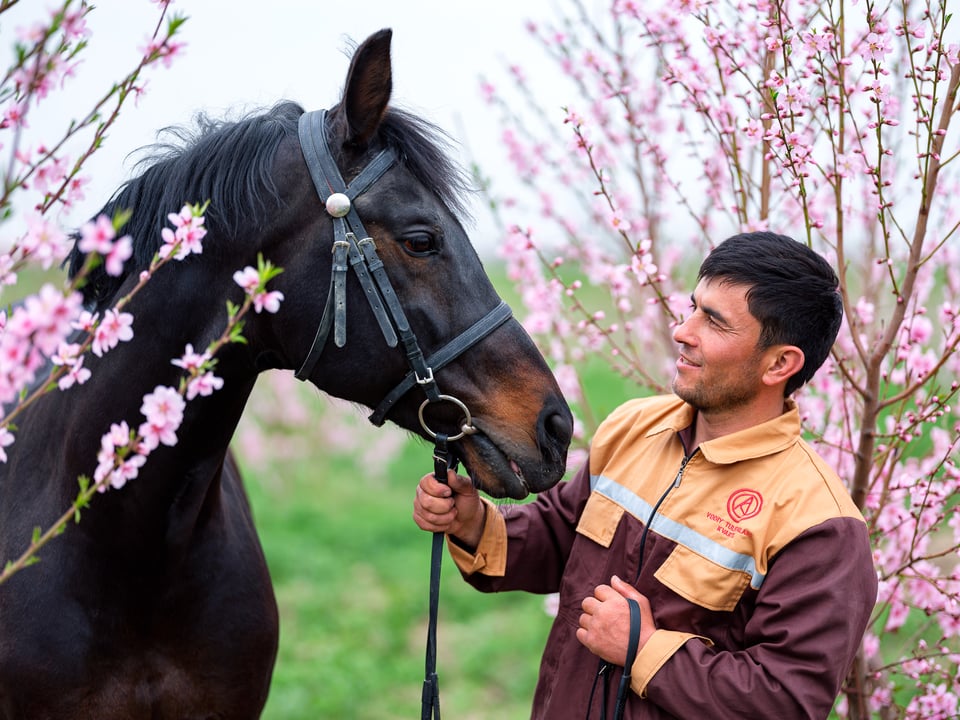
<point>653,512</point>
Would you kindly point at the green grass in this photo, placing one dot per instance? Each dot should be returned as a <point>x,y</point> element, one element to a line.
<point>351,573</point>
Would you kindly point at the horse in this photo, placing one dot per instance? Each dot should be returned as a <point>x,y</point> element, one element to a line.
<point>158,603</point>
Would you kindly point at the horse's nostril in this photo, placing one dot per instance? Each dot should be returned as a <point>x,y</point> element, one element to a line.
<point>560,428</point>
<point>557,427</point>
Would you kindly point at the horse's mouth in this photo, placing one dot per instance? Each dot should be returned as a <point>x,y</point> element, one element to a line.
<point>492,469</point>
<point>518,473</point>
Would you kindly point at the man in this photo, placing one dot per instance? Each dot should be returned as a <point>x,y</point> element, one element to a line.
<point>750,564</point>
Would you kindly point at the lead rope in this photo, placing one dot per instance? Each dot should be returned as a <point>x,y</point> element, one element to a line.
<point>430,697</point>
<point>604,669</point>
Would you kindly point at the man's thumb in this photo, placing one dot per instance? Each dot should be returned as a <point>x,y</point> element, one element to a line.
<point>624,588</point>
<point>460,484</point>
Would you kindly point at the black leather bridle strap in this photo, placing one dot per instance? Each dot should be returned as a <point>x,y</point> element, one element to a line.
<point>324,171</point>
<point>430,697</point>
<point>327,180</point>
<point>453,349</point>
<point>411,347</point>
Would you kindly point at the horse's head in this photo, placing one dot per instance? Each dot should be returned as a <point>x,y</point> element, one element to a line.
<point>402,192</point>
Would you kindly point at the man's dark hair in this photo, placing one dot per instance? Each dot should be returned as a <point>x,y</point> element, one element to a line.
<point>792,291</point>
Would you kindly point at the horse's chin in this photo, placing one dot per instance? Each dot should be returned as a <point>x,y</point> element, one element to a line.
<point>500,475</point>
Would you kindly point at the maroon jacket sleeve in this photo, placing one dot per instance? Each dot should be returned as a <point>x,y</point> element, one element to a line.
<point>809,618</point>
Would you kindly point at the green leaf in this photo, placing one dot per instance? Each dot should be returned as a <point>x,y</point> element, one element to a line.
<point>121,217</point>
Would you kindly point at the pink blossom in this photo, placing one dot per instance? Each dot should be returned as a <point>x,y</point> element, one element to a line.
<point>937,701</point>
<point>269,301</point>
<point>949,620</point>
<point>85,321</point>
<point>488,91</point>
<point>163,409</point>
<point>97,236</point>
<point>163,406</point>
<point>875,46</point>
<point>116,327</point>
<point>163,49</point>
<point>7,274</point>
<point>849,165</point>
<point>816,42</point>
<point>920,329</point>
<point>44,241</point>
<point>186,238</point>
<point>120,252</point>
<point>77,373</point>
<point>551,604</point>
<point>69,355</point>
<point>113,469</point>
<point>75,190</point>
<point>753,131</point>
<point>15,115</point>
<point>204,385</point>
<point>191,361</point>
<point>51,172</point>
<point>248,279</point>
<point>45,318</point>
<point>6,440</point>
<point>865,310</point>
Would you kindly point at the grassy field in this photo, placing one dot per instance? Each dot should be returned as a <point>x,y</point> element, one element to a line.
<point>351,572</point>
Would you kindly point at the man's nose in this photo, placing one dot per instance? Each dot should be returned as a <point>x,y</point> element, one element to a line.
<point>683,332</point>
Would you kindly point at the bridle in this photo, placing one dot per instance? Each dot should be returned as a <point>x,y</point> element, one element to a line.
<point>362,256</point>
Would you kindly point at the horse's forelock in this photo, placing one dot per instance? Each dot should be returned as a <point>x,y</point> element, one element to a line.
<point>424,149</point>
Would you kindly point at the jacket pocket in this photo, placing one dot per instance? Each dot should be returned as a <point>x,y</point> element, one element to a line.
<point>702,581</point>
<point>600,519</point>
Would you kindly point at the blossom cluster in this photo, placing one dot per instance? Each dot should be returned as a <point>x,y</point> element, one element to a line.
<point>123,452</point>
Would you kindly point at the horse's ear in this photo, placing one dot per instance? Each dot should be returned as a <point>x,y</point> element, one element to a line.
<point>367,92</point>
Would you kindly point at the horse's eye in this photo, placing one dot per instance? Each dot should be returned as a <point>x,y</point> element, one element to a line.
<point>420,244</point>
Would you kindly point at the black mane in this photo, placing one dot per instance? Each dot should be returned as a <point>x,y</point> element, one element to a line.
<point>230,163</point>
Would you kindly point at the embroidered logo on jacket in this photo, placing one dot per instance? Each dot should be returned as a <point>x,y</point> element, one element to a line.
<point>744,504</point>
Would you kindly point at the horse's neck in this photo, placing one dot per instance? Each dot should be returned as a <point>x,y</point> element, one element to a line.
<point>73,422</point>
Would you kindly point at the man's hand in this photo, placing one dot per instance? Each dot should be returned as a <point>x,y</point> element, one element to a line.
<point>454,508</point>
<point>605,622</point>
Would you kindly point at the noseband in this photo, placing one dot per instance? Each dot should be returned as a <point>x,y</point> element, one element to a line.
<point>371,272</point>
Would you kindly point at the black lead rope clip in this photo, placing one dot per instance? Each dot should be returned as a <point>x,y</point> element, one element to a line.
<point>430,697</point>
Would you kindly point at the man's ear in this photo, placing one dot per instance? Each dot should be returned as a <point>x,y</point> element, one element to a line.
<point>783,362</point>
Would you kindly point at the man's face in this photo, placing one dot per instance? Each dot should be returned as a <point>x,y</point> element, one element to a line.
<point>719,368</point>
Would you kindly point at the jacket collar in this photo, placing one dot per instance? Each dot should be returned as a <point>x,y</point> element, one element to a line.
<point>766,438</point>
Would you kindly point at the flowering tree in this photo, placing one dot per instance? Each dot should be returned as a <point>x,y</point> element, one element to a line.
<point>50,328</point>
<point>830,120</point>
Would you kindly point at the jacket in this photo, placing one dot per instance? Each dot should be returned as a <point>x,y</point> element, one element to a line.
<point>757,565</point>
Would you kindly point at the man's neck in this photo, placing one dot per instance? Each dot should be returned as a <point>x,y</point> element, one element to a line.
<point>710,425</point>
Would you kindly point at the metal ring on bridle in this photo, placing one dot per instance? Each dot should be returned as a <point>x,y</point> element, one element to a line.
<point>466,429</point>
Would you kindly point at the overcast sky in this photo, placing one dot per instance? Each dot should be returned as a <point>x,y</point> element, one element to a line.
<point>243,54</point>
